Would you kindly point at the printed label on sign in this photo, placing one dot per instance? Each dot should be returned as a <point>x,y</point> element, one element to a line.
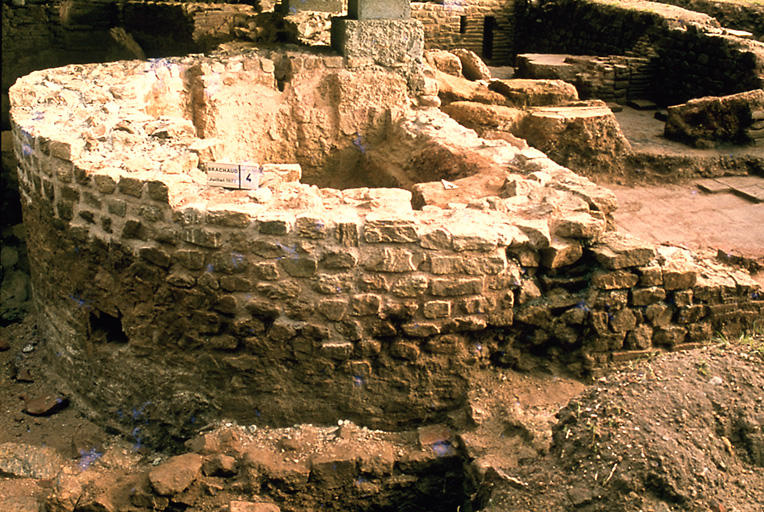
<point>223,175</point>
<point>250,176</point>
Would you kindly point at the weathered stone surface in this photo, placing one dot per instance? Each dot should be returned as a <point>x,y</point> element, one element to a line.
<point>176,474</point>
<point>378,9</point>
<point>481,116</point>
<point>249,506</point>
<point>618,279</point>
<point>619,250</point>
<point>453,88</point>
<point>473,67</point>
<point>647,296</point>
<point>404,40</point>
<point>705,121</point>
<point>444,61</point>
<point>584,138</point>
<point>579,225</point>
<point>537,93</point>
<point>561,252</point>
<point>640,338</point>
<point>334,6</point>
<point>27,461</point>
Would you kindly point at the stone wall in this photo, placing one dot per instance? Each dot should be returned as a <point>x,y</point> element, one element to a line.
<point>461,24</point>
<point>690,54</point>
<point>293,303</point>
<point>743,15</point>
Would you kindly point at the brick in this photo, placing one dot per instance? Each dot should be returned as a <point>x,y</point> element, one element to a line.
<point>365,304</point>
<point>297,266</point>
<point>390,260</point>
<point>420,329</point>
<point>134,229</point>
<point>647,296</point>
<point>659,315</point>
<point>389,230</point>
<point>437,309</point>
<point>131,186</point>
<point>267,271</point>
<point>155,256</point>
<point>227,218</point>
<point>618,279</point>
<point>436,239</point>
<point>679,276</point>
<point>455,287</point>
<point>333,309</point>
<point>640,338</point>
<point>650,276</point>
<point>116,207</point>
<point>619,250</point>
<point>405,350</point>
<point>561,253</point>
<point>669,336</point>
<point>690,314</point>
<point>202,237</point>
<point>579,225</point>
<point>311,226</point>
<point>339,260</point>
<point>410,286</point>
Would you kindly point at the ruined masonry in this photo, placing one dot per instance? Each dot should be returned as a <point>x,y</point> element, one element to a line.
<point>328,292</point>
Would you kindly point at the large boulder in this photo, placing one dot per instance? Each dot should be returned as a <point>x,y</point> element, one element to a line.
<point>586,138</point>
<point>473,66</point>
<point>703,122</point>
<point>527,92</point>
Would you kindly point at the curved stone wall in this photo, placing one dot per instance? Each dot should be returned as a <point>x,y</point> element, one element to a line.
<point>167,302</point>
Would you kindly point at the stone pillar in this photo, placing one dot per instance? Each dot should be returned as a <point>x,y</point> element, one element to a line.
<point>380,30</point>
<point>379,9</point>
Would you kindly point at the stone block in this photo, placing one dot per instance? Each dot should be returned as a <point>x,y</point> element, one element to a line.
<point>647,296</point>
<point>334,6</point>
<point>618,279</point>
<point>386,42</point>
<point>619,250</point>
<point>390,260</point>
<point>390,230</point>
<point>379,9</point>
<point>456,287</point>
<point>437,309</point>
<point>560,253</point>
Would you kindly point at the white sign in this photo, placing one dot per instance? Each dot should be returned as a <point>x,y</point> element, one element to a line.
<point>235,176</point>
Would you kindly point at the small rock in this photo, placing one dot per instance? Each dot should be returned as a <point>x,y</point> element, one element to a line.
<point>24,375</point>
<point>45,405</point>
<point>175,475</point>
<point>715,381</point>
<point>28,348</point>
<point>4,345</point>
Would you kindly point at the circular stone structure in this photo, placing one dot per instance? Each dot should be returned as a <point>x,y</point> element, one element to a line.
<point>379,254</point>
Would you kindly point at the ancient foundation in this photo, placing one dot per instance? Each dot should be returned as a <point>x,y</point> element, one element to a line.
<point>378,256</point>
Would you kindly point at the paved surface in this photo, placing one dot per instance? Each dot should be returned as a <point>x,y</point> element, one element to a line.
<point>685,215</point>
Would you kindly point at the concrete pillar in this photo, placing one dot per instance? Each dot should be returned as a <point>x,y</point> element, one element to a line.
<point>379,9</point>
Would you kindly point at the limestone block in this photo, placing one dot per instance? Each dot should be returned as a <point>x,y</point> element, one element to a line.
<point>379,9</point>
<point>704,121</point>
<point>473,66</point>
<point>620,250</point>
<point>536,93</point>
<point>561,252</point>
<point>444,61</point>
<point>618,279</point>
<point>386,42</point>
<point>334,6</point>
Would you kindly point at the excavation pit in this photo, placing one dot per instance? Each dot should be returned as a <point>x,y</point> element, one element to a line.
<point>385,254</point>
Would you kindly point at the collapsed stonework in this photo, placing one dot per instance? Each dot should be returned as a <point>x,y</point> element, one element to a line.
<point>292,302</point>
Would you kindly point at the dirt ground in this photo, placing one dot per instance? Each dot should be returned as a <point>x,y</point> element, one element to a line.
<point>681,431</point>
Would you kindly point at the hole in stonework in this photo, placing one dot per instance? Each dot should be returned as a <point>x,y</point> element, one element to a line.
<point>106,328</point>
<point>462,24</point>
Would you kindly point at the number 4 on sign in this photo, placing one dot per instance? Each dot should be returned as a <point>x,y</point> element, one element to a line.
<point>250,176</point>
